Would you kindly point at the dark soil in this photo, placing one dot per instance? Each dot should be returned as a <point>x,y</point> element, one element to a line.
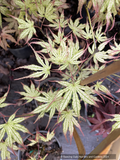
<point>115,30</point>
<point>16,46</point>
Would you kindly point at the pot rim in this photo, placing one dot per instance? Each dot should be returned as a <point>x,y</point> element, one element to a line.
<point>21,48</point>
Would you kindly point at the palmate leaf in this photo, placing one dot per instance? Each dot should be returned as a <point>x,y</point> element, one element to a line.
<point>76,27</point>
<point>88,33</point>
<point>48,46</point>
<point>101,56</point>
<point>4,36</point>
<point>30,93</point>
<point>66,55</point>
<point>28,27</point>
<point>11,128</point>
<point>3,10</point>
<point>41,10</point>
<point>57,38</point>
<point>100,36</point>
<point>12,23</point>
<point>68,118</point>
<point>109,7</point>
<point>51,102</point>
<point>47,9</point>
<point>39,137</point>
<point>50,14</point>
<point>44,70</point>
<point>114,49</point>
<point>71,91</point>
<point>59,22</point>
<point>99,86</point>
<point>48,137</point>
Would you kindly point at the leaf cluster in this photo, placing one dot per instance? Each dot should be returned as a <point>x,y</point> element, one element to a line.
<point>4,36</point>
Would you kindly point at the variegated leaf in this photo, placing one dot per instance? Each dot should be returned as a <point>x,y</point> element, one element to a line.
<point>65,101</point>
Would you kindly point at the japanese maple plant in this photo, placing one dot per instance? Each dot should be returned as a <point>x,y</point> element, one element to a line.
<point>24,17</point>
<point>73,62</point>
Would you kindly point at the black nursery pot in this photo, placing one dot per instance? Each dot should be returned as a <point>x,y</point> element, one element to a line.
<point>23,52</point>
<point>54,144</point>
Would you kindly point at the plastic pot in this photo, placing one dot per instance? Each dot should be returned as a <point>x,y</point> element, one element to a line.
<point>23,52</point>
<point>86,115</point>
<point>42,83</point>
<point>41,131</point>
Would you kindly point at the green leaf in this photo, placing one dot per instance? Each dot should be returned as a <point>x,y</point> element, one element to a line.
<point>59,22</point>
<point>75,89</point>
<point>48,137</point>
<point>117,123</point>
<point>102,88</point>
<point>30,92</point>
<point>65,100</point>
<point>101,57</point>
<point>4,153</point>
<point>28,27</point>
<point>65,126</point>
<point>44,70</point>
<point>52,102</point>
<point>20,127</point>
<point>76,27</point>
<point>4,10</point>
<point>16,136</point>
<point>2,133</point>
<point>66,55</point>
<point>68,122</point>
<point>85,97</point>
<point>11,118</point>
<point>88,33</point>
<point>40,108</point>
<point>99,35</point>
<point>24,33</point>
<point>2,99</point>
<point>47,46</point>
<point>76,103</point>
<point>10,128</point>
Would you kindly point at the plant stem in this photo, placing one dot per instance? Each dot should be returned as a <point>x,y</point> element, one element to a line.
<point>86,6</point>
<point>90,24</point>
